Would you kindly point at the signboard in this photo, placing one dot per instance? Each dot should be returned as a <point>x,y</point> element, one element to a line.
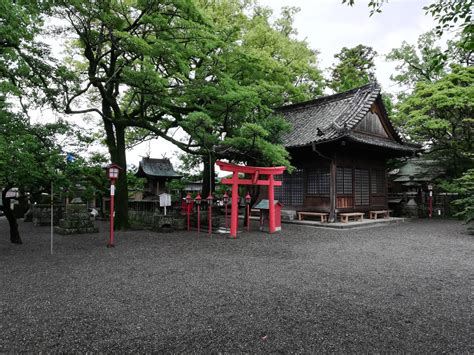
<point>165,200</point>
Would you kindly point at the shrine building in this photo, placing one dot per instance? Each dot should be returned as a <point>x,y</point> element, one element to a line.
<point>339,145</point>
<point>157,173</point>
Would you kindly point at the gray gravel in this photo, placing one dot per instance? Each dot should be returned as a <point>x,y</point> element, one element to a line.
<point>403,287</point>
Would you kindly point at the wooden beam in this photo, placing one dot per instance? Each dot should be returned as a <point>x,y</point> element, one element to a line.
<point>250,182</point>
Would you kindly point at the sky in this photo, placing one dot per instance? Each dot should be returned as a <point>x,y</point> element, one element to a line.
<point>328,25</point>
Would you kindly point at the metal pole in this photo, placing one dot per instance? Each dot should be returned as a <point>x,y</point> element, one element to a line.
<point>210,217</point>
<point>52,219</point>
<point>112,213</point>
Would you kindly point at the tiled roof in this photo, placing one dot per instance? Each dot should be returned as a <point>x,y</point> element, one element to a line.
<point>156,168</point>
<point>333,117</point>
<point>379,142</point>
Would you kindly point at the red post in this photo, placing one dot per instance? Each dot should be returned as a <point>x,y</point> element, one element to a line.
<point>226,200</point>
<point>112,174</point>
<point>198,203</point>
<point>209,201</point>
<point>248,199</point>
<point>188,209</point>
<point>271,205</point>
<point>112,214</point>
<point>234,213</point>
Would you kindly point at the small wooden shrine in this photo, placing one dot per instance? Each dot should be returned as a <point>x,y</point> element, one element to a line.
<point>339,145</point>
<point>157,173</point>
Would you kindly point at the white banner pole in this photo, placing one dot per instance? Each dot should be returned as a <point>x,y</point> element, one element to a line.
<point>52,211</point>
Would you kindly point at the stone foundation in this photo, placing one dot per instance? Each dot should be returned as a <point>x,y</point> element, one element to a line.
<point>76,221</point>
<point>41,214</point>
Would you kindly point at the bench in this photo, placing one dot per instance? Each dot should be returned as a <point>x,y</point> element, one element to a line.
<point>324,216</point>
<point>358,216</point>
<point>375,214</point>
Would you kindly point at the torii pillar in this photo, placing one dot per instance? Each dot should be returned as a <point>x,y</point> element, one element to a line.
<point>254,172</point>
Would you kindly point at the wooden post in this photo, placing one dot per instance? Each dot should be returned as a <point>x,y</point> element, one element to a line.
<point>234,213</point>
<point>332,192</point>
<point>271,204</point>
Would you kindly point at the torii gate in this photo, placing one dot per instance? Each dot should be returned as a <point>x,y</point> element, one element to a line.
<point>255,173</point>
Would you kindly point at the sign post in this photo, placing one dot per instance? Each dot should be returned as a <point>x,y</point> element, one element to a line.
<point>112,174</point>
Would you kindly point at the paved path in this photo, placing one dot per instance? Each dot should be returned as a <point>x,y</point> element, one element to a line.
<point>404,287</point>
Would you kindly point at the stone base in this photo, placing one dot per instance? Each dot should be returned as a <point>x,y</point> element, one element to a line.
<point>288,215</point>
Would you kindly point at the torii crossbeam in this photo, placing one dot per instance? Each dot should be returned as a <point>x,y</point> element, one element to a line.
<point>255,172</point>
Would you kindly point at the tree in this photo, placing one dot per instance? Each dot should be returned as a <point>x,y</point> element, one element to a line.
<point>425,62</point>
<point>27,161</point>
<point>448,13</point>
<point>156,67</point>
<point>131,66</point>
<point>465,187</point>
<point>258,66</point>
<point>26,68</point>
<point>439,114</point>
<point>356,67</point>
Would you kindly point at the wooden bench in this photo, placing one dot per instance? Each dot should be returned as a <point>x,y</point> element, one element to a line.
<point>374,214</point>
<point>358,216</point>
<point>324,216</point>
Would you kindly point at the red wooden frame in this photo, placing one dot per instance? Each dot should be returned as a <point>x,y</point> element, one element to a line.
<point>254,172</point>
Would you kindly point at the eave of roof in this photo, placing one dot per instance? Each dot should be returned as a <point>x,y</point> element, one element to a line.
<point>149,167</point>
<point>328,118</point>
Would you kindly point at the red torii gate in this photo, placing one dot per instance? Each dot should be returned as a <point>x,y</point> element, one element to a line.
<point>255,172</point>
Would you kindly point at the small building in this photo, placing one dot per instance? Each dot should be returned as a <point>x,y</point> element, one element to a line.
<point>193,186</point>
<point>157,173</point>
<point>414,174</point>
<point>264,207</point>
<point>339,145</point>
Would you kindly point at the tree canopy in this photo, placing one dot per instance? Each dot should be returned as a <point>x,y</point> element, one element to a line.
<point>355,68</point>
<point>439,114</point>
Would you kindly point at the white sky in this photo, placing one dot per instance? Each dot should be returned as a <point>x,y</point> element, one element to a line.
<point>328,25</point>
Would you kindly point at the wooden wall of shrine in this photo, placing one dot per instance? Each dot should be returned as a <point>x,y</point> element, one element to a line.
<point>358,176</point>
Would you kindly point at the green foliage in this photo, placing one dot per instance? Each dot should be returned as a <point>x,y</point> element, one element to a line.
<point>425,62</point>
<point>29,156</point>
<point>355,68</point>
<point>451,14</point>
<point>25,63</point>
<point>440,114</point>
<point>465,187</point>
<point>374,5</point>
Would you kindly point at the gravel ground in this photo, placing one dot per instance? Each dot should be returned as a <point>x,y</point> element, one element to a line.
<point>404,287</point>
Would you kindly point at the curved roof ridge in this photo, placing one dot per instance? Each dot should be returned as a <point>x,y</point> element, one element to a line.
<point>330,98</point>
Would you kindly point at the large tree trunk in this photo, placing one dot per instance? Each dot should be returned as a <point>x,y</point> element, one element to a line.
<point>208,176</point>
<point>121,197</point>
<point>14,233</point>
<point>115,139</point>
